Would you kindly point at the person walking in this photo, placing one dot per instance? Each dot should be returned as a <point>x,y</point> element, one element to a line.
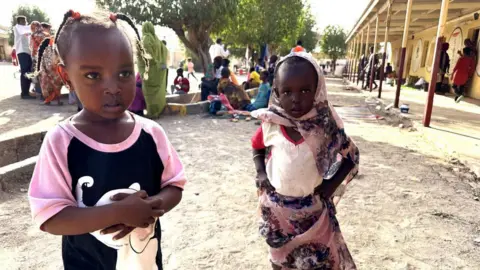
<point>22,32</point>
<point>190,68</point>
<point>462,72</point>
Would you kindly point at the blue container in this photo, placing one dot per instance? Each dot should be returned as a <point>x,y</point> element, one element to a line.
<point>404,108</point>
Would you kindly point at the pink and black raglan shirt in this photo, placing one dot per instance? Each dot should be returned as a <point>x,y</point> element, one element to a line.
<point>74,170</point>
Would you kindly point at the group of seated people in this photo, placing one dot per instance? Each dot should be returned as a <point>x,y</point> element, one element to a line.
<point>221,87</point>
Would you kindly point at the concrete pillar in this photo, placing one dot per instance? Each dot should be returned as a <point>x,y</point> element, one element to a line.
<point>385,42</point>
<point>349,53</point>
<point>375,42</point>
<point>436,62</point>
<point>360,54</point>
<point>367,39</point>
<point>403,52</point>
<point>352,54</point>
<point>355,59</point>
<point>347,56</point>
<point>366,50</point>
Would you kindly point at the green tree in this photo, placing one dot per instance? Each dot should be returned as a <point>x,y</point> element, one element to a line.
<point>33,13</point>
<point>333,43</point>
<point>276,23</point>
<point>192,20</point>
<point>305,31</point>
<point>262,22</point>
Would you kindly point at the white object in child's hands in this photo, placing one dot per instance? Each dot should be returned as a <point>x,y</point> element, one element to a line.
<point>107,239</point>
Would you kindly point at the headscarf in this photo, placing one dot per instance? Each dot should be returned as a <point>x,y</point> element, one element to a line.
<point>35,26</point>
<point>322,128</point>
<point>255,77</point>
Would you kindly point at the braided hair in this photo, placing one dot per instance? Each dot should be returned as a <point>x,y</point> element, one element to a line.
<point>140,47</point>
<point>74,22</point>
<point>41,50</point>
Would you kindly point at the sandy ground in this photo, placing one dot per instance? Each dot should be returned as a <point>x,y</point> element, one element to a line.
<point>410,208</point>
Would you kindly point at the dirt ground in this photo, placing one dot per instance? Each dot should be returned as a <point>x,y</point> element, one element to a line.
<point>412,207</point>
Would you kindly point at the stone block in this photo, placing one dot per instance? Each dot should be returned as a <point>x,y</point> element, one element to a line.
<point>184,99</point>
<point>19,148</point>
<point>198,107</point>
<point>17,173</point>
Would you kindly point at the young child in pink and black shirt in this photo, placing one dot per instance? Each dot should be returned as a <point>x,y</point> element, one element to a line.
<point>104,176</point>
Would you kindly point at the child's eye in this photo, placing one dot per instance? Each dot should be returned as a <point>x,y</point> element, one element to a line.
<point>304,91</point>
<point>125,74</point>
<point>287,93</point>
<point>92,75</point>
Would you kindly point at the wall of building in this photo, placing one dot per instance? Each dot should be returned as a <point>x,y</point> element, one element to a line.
<point>8,49</point>
<point>420,50</point>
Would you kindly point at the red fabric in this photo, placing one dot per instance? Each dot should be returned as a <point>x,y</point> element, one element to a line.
<point>14,58</point>
<point>463,70</point>
<point>185,84</point>
<point>257,140</point>
<point>223,99</point>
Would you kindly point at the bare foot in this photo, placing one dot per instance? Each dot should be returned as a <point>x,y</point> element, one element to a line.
<point>60,103</point>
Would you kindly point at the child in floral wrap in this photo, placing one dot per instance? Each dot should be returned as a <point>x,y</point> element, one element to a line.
<point>303,159</point>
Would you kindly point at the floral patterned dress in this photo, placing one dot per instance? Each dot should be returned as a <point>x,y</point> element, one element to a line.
<point>50,81</point>
<point>35,40</point>
<point>298,224</point>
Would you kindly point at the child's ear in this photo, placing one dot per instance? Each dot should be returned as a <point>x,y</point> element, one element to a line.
<point>62,71</point>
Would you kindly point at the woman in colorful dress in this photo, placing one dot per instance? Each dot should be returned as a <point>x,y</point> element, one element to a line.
<point>46,70</point>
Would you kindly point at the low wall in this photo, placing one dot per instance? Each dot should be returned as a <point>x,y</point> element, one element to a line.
<point>180,105</point>
<point>184,99</point>
<point>19,155</point>
<point>20,148</point>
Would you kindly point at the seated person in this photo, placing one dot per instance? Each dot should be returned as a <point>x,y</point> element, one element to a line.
<point>261,101</point>
<point>210,80</point>
<point>181,85</point>
<point>253,80</point>
<point>226,64</point>
<point>235,94</point>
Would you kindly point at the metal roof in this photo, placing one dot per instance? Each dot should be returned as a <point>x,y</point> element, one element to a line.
<point>425,15</point>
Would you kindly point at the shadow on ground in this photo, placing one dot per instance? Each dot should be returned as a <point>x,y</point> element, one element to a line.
<point>19,117</point>
<point>408,208</point>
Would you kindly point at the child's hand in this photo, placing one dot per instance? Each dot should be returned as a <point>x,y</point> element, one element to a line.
<point>262,182</point>
<point>136,211</point>
<point>157,202</point>
<point>123,230</point>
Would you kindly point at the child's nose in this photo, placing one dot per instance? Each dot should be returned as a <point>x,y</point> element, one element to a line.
<point>112,88</point>
<point>296,97</point>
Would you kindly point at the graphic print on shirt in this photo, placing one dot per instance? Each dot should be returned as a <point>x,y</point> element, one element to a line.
<point>88,182</point>
<point>98,175</point>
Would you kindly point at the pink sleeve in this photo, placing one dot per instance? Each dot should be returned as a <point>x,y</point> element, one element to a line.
<point>51,186</point>
<point>173,172</point>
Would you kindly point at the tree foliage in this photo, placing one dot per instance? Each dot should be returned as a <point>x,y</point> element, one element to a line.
<point>33,13</point>
<point>333,42</point>
<point>192,20</point>
<point>305,31</point>
<point>276,23</point>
